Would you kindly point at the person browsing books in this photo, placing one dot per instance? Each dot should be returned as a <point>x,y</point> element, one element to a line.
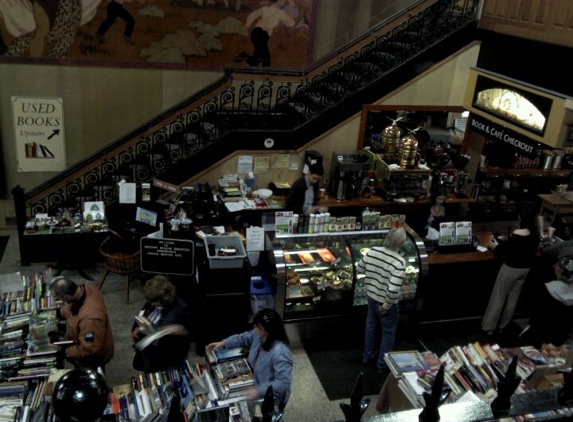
<point>87,323</point>
<point>161,331</point>
<point>269,354</point>
<point>384,270</point>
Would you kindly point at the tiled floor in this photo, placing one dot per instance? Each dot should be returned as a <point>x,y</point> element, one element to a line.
<point>308,401</point>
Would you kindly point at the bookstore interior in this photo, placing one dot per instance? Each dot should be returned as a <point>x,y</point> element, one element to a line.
<point>245,251</point>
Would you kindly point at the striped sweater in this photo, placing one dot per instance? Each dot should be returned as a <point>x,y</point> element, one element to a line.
<point>384,271</point>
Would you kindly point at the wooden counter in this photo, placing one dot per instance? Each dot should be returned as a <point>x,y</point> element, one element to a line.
<point>438,258</point>
<point>376,201</point>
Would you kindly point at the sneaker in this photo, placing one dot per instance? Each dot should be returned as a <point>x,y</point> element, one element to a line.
<point>100,38</point>
<point>383,370</point>
<point>241,57</point>
<point>128,40</point>
<point>368,362</point>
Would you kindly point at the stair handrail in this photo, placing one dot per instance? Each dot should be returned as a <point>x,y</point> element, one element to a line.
<point>231,75</point>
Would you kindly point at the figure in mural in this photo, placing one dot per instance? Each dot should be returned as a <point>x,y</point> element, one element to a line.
<point>225,3</point>
<point>44,28</point>
<point>47,24</point>
<point>116,10</point>
<point>267,18</point>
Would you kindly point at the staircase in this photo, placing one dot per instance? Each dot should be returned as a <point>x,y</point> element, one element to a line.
<point>292,107</point>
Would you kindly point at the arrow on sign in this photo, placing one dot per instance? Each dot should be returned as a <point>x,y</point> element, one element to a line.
<point>56,132</point>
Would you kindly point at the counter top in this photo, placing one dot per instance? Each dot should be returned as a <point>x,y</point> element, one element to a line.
<point>439,258</point>
<point>374,201</point>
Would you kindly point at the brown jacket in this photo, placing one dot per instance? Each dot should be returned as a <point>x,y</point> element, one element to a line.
<point>87,324</point>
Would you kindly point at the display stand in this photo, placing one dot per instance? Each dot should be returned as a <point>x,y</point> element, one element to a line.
<point>225,300</point>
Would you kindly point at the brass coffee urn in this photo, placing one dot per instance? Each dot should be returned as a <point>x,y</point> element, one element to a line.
<point>390,138</point>
<point>408,151</point>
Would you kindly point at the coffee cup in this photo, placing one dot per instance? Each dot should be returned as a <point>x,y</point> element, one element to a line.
<point>550,231</point>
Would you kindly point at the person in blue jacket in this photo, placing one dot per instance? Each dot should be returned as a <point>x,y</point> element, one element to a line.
<point>269,354</point>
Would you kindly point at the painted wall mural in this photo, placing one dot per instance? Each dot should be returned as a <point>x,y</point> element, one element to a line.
<point>199,34</point>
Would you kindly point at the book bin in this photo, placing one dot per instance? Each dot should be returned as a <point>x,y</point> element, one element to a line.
<point>215,243</point>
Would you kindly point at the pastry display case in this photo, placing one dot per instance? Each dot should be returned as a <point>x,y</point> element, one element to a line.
<point>318,277</point>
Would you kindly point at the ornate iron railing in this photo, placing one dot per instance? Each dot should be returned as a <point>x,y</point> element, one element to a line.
<point>251,99</point>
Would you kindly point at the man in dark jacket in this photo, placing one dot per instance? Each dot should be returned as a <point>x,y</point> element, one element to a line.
<point>303,195</point>
<point>87,323</point>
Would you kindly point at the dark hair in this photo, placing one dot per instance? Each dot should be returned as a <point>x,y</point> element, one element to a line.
<point>316,168</point>
<point>528,220</point>
<point>438,191</point>
<point>271,322</point>
<point>159,289</point>
<point>62,286</point>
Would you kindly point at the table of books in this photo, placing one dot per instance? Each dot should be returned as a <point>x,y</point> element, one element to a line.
<point>472,372</point>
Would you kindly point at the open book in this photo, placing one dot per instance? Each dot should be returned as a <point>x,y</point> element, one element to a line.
<point>156,335</point>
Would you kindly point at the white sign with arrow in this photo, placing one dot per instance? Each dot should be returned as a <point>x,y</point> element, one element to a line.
<point>39,134</point>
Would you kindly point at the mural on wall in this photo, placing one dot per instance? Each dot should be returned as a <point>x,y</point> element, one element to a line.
<point>200,34</point>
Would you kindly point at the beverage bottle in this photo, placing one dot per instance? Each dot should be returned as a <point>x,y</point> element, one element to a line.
<point>251,181</point>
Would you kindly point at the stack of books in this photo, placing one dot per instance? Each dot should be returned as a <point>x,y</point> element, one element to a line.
<point>473,368</point>
<point>232,372</point>
<point>415,372</point>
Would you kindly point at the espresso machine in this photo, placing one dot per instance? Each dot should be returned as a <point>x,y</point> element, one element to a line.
<point>347,173</point>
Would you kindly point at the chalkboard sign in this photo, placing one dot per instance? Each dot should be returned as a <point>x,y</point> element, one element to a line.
<point>167,256</point>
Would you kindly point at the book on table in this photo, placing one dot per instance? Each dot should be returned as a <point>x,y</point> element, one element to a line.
<point>400,362</point>
<point>223,354</point>
<point>232,369</point>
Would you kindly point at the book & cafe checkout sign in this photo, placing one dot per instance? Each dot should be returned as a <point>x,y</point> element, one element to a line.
<point>167,256</point>
<point>39,134</point>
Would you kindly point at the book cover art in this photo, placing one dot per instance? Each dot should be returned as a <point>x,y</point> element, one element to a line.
<point>222,355</point>
<point>407,361</point>
<point>426,377</point>
<point>534,355</point>
<point>234,368</point>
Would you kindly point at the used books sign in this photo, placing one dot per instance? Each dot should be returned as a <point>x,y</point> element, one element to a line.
<point>167,256</point>
<point>39,134</point>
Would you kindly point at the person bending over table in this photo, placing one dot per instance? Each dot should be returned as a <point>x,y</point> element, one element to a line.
<point>303,196</point>
<point>269,354</point>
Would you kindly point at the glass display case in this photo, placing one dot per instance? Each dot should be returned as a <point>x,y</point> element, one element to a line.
<point>317,274</point>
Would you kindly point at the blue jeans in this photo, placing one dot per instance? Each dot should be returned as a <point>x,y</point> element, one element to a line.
<point>388,322</point>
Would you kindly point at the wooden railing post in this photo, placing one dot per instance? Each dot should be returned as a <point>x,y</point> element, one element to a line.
<point>21,219</point>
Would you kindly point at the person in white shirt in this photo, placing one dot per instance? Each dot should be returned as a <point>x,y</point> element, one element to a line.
<point>384,270</point>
